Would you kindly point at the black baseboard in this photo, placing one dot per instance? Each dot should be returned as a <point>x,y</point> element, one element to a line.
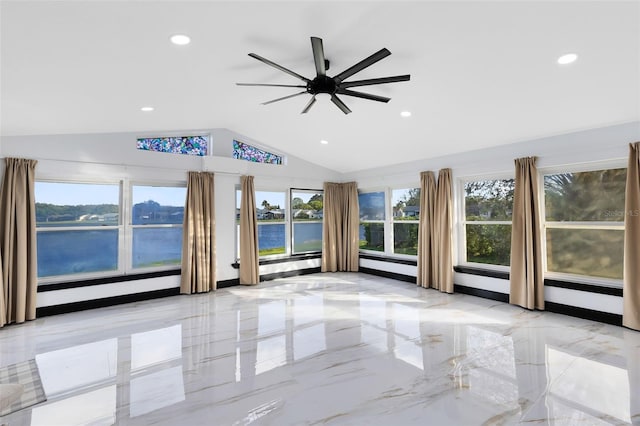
<point>485,294</point>
<point>588,314</point>
<point>105,302</point>
<point>385,274</point>
<point>287,274</point>
<point>228,283</point>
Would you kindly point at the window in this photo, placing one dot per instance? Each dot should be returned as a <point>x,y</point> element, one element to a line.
<point>488,207</point>
<point>584,223</point>
<point>81,233</point>
<point>272,229</point>
<point>157,213</point>
<point>78,228</point>
<point>188,145</point>
<point>306,219</point>
<point>243,151</point>
<point>372,218</point>
<point>406,220</point>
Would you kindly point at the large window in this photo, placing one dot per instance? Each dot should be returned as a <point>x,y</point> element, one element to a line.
<point>156,216</point>
<point>372,218</point>
<point>488,207</point>
<point>78,228</point>
<point>584,223</point>
<point>81,231</point>
<point>306,219</point>
<point>406,220</point>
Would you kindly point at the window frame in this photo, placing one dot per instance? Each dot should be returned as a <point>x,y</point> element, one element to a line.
<point>129,226</point>
<point>588,225</point>
<point>392,219</point>
<point>462,220</point>
<point>124,227</point>
<point>386,232</point>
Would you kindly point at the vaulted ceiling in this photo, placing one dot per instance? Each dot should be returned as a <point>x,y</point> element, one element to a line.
<point>482,73</point>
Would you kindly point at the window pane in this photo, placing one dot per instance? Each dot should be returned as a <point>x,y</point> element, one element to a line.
<point>490,244</point>
<point>189,145</point>
<point>76,204</point>
<point>371,205</point>
<point>77,252</point>
<point>243,151</point>
<point>270,206</point>
<point>585,196</point>
<point>306,205</point>
<point>157,204</point>
<point>489,199</point>
<point>592,252</point>
<point>406,204</point>
<point>307,237</point>
<point>405,238</point>
<point>271,239</point>
<point>156,247</point>
<point>372,236</point>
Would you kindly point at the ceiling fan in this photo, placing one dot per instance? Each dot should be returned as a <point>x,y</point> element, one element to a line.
<point>332,86</point>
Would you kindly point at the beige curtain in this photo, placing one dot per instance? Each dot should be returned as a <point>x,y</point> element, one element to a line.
<point>426,230</point>
<point>631,290</point>
<point>527,282</point>
<point>340,240</point>
<point>249,266</point>
<point>198,236</point>
<point>18,238</point>
<point>442,244</point>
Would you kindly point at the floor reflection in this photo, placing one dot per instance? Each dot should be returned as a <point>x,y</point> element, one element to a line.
<point>328,349</point>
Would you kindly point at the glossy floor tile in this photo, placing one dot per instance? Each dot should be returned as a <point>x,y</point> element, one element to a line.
<point>334,349</point>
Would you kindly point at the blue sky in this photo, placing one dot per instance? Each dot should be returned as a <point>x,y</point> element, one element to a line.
<point>78,193</point>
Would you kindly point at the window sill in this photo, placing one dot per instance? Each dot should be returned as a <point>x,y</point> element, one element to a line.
<point>292,258</point>
<point>42,288</point>
<point>381,258</point>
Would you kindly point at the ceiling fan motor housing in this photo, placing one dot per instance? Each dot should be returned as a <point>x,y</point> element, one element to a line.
<point>321,84</point>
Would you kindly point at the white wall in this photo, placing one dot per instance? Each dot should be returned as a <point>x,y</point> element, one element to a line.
<point>114,156</point>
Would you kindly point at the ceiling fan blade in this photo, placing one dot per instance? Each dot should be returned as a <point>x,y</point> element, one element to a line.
<point>269,85</point>
<point>363,95</point>
<point>371,81</point>
<point>380,54</point>
<point>283,98</point>
<point>340,104</point>
<point>309,105</point>
<point>318,55</point>
<point>279,67</point>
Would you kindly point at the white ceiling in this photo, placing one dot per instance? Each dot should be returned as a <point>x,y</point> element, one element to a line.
<point>482,73</point>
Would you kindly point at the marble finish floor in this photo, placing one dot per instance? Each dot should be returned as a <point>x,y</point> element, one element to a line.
<point>326,349</point>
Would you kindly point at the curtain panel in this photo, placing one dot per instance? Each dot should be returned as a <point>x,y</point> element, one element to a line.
<point>19,279</point>
<point>426,230</point>
<point>442,243</point>
<point>526,276</point>
<point>198,236</point>
<point>249,255</point>
<point>631,277</point>
<point>340,239</point>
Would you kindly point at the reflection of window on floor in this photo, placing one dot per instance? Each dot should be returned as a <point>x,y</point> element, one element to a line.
<point>271,353</point>
<point>492,371</point>
<point>578,391</point>
<point>308,341</point>
<point>84,382</point>
<point>271,317</point>
<point>97,407</point>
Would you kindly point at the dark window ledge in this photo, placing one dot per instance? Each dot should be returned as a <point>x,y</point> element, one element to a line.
<point>570,285</point>
<point>503,275</point>
<point>106,280</point>
<point>292,258</point>
<point>397,260</point>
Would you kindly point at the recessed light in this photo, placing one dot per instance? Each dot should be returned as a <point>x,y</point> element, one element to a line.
<point>323,97</point>
<point>569,58</point>
<point>323,142</point>
<point>405,113</point>
<point>147,108</point>
<point>180,39</point>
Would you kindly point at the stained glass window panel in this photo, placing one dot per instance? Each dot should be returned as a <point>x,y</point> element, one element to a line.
<point>242,151</point>
<point>187,145</point>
